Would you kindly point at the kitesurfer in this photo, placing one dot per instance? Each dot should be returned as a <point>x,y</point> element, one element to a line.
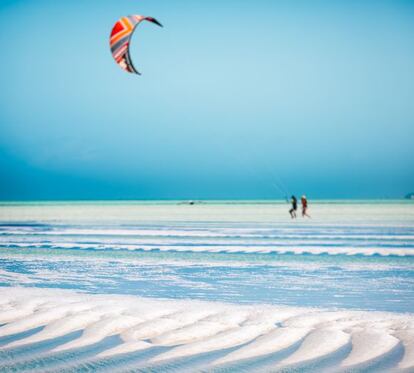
<point>304,202</point>
<point>294,203</point>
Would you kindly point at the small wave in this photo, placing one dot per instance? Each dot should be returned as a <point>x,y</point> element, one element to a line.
<point>282,250</point>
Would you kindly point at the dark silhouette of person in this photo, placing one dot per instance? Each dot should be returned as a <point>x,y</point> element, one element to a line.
<point>294,203</point>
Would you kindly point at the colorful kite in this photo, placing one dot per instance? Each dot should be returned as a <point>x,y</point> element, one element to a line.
<point>120,40</point>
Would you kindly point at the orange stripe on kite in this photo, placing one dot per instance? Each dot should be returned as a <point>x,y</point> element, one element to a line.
<point>120,37</point>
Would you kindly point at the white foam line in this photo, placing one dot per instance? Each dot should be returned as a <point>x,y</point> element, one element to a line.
<point>180,262</point>
<point>122,232</point>
<point>368,345</point>
<point>296,250</point>
<point>246,233</point>
<point>317,344</point>
<point>265,243</point>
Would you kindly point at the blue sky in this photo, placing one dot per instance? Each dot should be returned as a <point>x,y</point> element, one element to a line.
<point>237,100</point>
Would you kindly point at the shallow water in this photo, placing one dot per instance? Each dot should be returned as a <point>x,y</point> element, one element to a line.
<point>349,256</point>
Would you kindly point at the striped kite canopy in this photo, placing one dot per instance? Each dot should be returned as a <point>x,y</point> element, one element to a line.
<point>120,40</point>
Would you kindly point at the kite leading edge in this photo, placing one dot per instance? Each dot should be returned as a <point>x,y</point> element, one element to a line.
<point>120,40</point>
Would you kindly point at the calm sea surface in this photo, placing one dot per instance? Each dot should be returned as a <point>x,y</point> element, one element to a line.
<point>353,255</point>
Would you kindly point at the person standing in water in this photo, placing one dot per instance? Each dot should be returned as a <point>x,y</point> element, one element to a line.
<point>304,202</point>
<point>294,203</point>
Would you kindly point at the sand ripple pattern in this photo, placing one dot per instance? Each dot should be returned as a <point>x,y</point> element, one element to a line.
<point>72,330</point>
